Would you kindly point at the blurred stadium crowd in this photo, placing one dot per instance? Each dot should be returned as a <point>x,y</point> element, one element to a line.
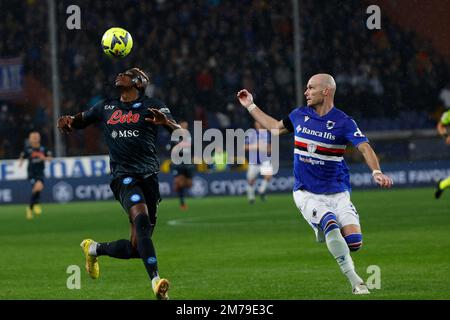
<point>200,53</point>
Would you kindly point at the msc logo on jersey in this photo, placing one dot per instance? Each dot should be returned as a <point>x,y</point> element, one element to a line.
<point>125,134</point>
<point>330,124</point>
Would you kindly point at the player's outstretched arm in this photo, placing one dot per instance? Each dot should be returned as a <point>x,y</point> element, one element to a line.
<point>21,157</point>
<point>159,118</point>
<point>269,123</point>
<point>369,155</point>
<point>443,132</point>
<point>67,123</point>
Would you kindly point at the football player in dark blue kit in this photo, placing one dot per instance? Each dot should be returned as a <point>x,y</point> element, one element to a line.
<point>130,126</point>
<point>322,182</point>
<point>182,173</point>
<point>36,154</point>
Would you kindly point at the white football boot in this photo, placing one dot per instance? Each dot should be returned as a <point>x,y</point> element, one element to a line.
<point>360,289</point>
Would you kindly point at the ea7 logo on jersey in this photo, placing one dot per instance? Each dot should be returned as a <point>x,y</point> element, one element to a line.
<point>125,134</point>
<point>109,107</point>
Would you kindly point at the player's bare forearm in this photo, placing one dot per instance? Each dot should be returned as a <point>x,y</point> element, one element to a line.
<point>369,156</point>
<point>156,117</point>
<point>443,130</point>
<point>67,123</point>
<point>371,159</point>
<point>172,125</point>
<point>269,123</point>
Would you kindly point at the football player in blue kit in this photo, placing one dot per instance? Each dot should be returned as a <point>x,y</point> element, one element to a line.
<point>322,182</point>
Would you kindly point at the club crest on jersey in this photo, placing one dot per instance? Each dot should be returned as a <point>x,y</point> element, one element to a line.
<point>135,197</point>
<point>311,147</point>
<point>127,180</point>
<point>299,128</point>
<point>306,118</point>
<point>330,124</point>
<point>119,117</point>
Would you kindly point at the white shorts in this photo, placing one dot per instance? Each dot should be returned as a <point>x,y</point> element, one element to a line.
<point>264,169</point>
<point>314,206</point>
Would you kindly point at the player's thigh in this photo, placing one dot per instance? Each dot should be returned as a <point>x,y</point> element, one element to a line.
<point>311,206</point>
<point>178,181</point>
<point>150,187</point>
<point>38,186</point>
<point>266,170</point>
<point>252,172</point>
<point>128,192</point>
<point>347,215</point>
<point>188,182</point>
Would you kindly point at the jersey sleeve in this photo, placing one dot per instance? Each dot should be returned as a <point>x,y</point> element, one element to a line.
<point>25,154</point>
<point>48,153</point>
<point>353,134</point>
<point>287,122</point>
<point>445,118</point>
<point>164,109</point>
<point>94,114</point>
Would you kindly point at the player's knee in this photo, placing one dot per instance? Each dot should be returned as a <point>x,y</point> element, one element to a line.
<point>142,224</point>
<point>354,241</point>
<point>328,222</point>
<point>38,187</point>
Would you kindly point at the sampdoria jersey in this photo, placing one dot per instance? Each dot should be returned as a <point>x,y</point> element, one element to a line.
<point>131,140</point>
<point>445,118</point>
<point>319,146</point>
<point>261,138</point>
<point>36,165</point>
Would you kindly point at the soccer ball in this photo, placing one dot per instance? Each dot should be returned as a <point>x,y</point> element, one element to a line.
<point>117,42</point>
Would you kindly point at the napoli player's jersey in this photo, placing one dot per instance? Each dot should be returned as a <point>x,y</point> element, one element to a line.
<point>261,139</point>
<point>131,140</point>
<point>319,146</point>
<point>36,164</point>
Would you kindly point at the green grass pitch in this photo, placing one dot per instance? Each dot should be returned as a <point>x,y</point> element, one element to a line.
<point>224,248</point>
